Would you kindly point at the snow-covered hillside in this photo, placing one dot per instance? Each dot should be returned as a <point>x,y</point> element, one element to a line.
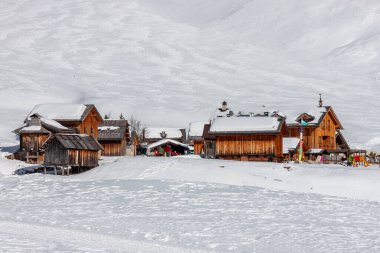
<point>180,59</point>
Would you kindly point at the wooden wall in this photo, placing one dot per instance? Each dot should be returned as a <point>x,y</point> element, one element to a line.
<point>198,147</point>
<point>30,145</point>
<point>83,158</point>
<point>262,145</point>
<point>56,154</point>
<point>114,148</point>
<point>322,137</point>
<point>89,125</point>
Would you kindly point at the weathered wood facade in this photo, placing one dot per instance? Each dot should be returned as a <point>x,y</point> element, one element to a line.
<point>114,136</point>
<point>72,150</point>
<point>237,143</point>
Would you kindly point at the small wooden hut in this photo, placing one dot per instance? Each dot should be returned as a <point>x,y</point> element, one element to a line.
<point>245,138</point>
<point>114,136</point>
<point>75,151</point>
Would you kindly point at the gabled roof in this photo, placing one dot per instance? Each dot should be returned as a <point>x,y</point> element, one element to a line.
<point>171,133</point>
<point>314,116</point>
<point>245,125</point>
<point>64,112</point>
<point>167,142</point>
<point>37,124</point>
<point>75,141</point>
<point>113,130</point>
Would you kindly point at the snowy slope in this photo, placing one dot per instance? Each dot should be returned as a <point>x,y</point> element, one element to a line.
<point>170,62</point>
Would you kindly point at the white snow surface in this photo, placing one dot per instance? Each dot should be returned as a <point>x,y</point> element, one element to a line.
<point>171,62</point>
<point>59,111</point>
<point>244,124</point>
<point>196,129</point>
<point>155,133</point>
<point>188,204</point>
<point>289,143</point>
<point>108,128</point>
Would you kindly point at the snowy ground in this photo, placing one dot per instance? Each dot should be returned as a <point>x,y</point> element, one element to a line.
<point>191,205</point>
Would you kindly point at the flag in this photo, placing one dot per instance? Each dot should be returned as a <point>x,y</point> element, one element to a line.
<point>304,123</point>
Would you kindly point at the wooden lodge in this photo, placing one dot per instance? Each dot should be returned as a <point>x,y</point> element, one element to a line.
<point>48,119</point>
<point>151,135</point>
<point>195,137</point>
<point>114,136</point>
<point>72,151</point>
<point>245,138</point>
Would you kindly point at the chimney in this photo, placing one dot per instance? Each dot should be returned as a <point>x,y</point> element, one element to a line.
<point>224,106</point>
<point>320,100</point>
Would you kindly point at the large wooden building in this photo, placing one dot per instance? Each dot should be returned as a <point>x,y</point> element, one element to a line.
<point>72,151</point>
<point>245,138</point>
<point>114,136</point>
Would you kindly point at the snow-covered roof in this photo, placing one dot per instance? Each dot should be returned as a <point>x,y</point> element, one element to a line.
<point>196,129</point>
<point>53,123</point>
<point>316,112</point>
<point>166,141</point>
<point>244,124</point>
<point>32,128</point>
<point>108,128</point>
<point>290,143</point>
<point>315,151</point>
<point>60,111</point>
<point>155,133</point>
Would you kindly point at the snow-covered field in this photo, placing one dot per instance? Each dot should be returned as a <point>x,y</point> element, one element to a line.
<point>192,205</point>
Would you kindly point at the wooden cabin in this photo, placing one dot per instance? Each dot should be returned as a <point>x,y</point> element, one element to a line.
<point>33,135</point>
<point>75,151</point>
<point>195,136</point>
<point>245,138</point>
<point>83,119</point>
<point>151,135</point>
<point>114,136</point>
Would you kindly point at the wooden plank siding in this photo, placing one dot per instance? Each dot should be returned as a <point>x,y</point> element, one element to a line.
<point>249,145</point>
<point>116,148</point>
<point>198,147</point>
